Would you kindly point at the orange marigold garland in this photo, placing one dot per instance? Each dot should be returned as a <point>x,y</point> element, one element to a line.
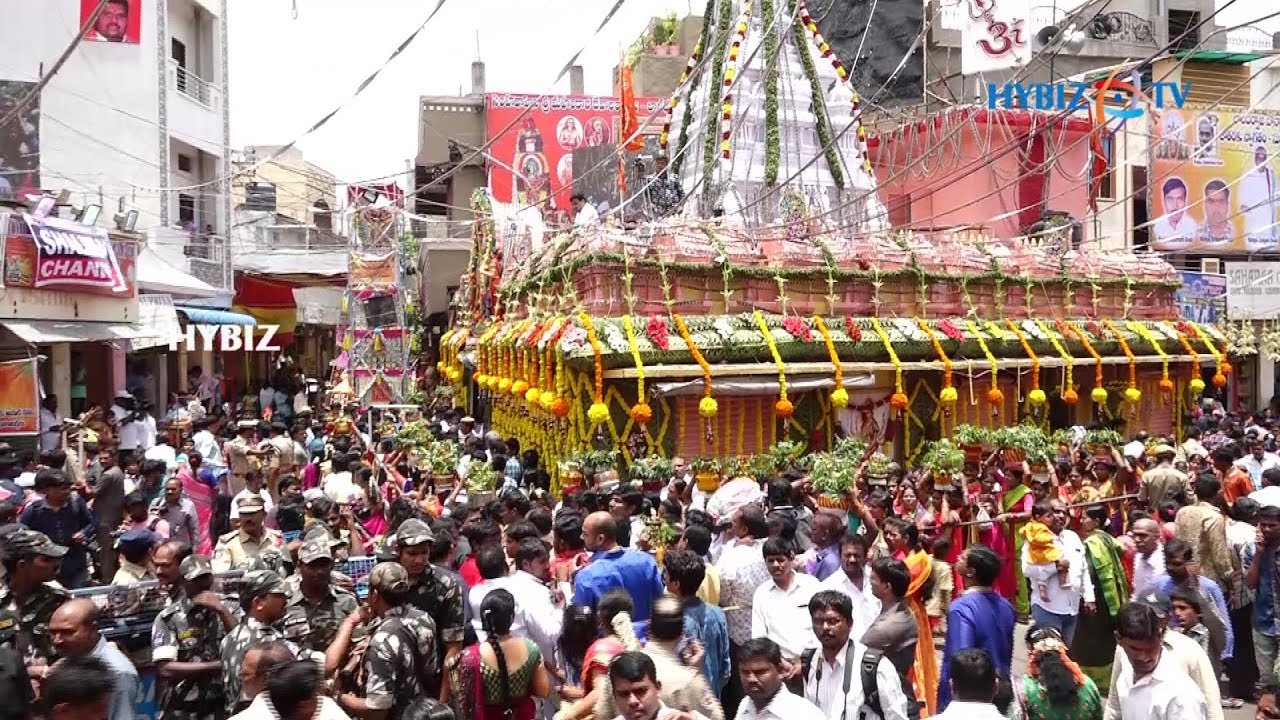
<point>839,396</point>
<point>1131,393</point>
<point>707,406</point>
<point>1099,392</point>
<point>783,407</point>
<point>641,413</point>
<point>948,396</point>
<point>899,400</point>
<point>1195,385</point>
<point>995,397</point>
<point>598,413</point>
<point>1224,367</point>
<point>1036,398</point>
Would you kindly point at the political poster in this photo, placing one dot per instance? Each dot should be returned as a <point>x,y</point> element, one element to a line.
<point>1214,186</point>
<point>19,398</point>
<point>119,22</point>
<point>1202,297</point>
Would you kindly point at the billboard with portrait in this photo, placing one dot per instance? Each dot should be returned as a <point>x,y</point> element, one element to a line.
<point>19,141</point>
<point>120,21</point>
<point>533,159</point>
<point>1214,186</point>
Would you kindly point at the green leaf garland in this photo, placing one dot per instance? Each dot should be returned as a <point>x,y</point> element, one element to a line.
<point>687,118</point>
<point>816,105</point>
<point>772,135</point>
<point>716,97</point>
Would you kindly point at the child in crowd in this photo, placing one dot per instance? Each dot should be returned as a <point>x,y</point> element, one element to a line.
<point>1040,545</point>
<point>1186,608</point>
<point>943,587</point>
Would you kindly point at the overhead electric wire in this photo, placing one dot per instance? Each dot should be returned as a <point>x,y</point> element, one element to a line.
<point>34,93</point>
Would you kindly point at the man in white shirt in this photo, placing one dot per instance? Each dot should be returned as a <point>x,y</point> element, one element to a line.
<point>1257,461</point>
<point>492,564</point>
<point>780,607</point>
<point>584,213</point>
<point>973,685</point>
<point>128,429</point>
<point>1259,200</point>
<point>1059,606</point>
<point>1176,229</point>
<point>163,451</point>
<point>834,675</point>
<point>541,615</point>
<point>50,424</point>
<point>1151,685</point>
<point>1192,658</point>
<point>761,669</point>
<point>204,442</point>
<point>854,579</point>
<point>338,486</point>
<point>254,486</point>
<point>1270,492</point>
<point>633,678</point>
<point>1148,561</point>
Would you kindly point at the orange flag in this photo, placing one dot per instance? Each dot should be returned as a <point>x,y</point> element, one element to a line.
<point>630,112</point>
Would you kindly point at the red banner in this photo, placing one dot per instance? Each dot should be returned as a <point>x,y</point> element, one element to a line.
<point>69,254</point>
<point>539,147</point>
<point>27,264</point>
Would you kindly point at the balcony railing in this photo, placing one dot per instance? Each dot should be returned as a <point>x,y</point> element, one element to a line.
<point>440,229</point>
<point>193,86</point>
<point>1248,39</point>
<point>296,237</point>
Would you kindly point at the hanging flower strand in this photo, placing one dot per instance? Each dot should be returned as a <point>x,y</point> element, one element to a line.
<point>839,396</point>
<point>641,413</point>
<point>1166,384</point>
<point>1036,397</point>
<point>995,398</point>
<point>1099,392</point>
<point>1131,393</point>
<point>783,408</point>
<point>899,400</point>
<point>948,396</point>
<point>1224,367</point>
<point>1195,385</point>
<point>598,413</point>
<point>707,406</point>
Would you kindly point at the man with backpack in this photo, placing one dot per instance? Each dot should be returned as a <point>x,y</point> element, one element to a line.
<point>844,678</point>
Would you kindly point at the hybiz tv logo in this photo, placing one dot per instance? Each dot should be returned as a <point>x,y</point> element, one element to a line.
<point>1109,98</point>
<point>227,338</point>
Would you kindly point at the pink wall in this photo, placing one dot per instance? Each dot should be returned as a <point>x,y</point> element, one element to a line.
<point>974,167</point>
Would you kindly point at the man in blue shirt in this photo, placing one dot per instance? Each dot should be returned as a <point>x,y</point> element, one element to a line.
<point>612,567</point>
<point>707,623</point>
<point>1261,577</point>
<point>979,618</point>
<point>67,520</point>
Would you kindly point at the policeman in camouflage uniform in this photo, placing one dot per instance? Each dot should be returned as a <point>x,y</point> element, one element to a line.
<point>190,631</point>
<point>263,595</point>
<point>31,563</point>
<point>238,549</point>
<point>316,607</point>
<point>434,590</point>
<point>401,655</point>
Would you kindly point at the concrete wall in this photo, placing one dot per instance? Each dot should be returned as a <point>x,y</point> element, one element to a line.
<point>299,184</point>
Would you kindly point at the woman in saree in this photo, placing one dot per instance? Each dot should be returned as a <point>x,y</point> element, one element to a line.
<point>1054,687</point>
<point>1094,644</point>
<point>1006,537</point>
<point>497,679</point>
<point>617,635</point>
<point>904,541</point>
<point>201,494</point>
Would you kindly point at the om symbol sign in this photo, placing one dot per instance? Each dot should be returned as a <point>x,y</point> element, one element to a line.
<point>1004,37</point>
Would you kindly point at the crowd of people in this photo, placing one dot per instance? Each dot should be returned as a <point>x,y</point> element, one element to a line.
<point>309,569</point>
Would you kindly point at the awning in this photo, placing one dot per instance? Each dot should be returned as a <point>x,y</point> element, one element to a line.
<point>208,316</point>
<point>154,275</point>
<point>54,331</point>
<point>158,320</point>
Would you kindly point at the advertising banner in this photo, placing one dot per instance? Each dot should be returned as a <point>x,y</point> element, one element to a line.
<point>535,156</point>
<point>69,254</point>
<point>19,398</point>
<point>1202,297</point>
<point>21,259</point>
<point>1253,290</point>
<point>120,21</point>
<point>1214,185</point>
<point>19,142</point>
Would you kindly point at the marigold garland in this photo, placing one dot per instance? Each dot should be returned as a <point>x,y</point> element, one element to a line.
<point>949,395</point>
<point>995,398</point>
<point>1036,396</point>
<point>1069,383</point>
<point>1224,367</point>
<point>1099,392</point>
<point>839,396</point>
<point>1196,385</point>
<point>899,400</point>
<point>640,412</point>
<point>1131,393</point>
<point>783,408</point>
<point>1166,384</point>
<point>705,409</point>
<point>598,413</point>
<point>730,72</point>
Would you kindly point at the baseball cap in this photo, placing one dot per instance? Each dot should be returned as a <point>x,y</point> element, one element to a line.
<point>389,577</point>
<point>25,541</point>
<point>413,532</point>
<point>1156,600</point>
<point>137,539</point>
<point>316,548</point>
<point>194,566</point>
<point>257,583</point>
<point>250,504</point>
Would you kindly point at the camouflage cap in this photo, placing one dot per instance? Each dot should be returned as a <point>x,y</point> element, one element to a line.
<point>257,583</point>
<point>194,566</point>
<point>413,532</point>
<point>389,577</point>
<point>25,541</point>
<point>313,549</point>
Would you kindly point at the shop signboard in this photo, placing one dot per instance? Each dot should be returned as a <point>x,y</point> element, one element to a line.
<point>19,398</point>
<point>1214,186</point>
<point>69,254</point>
<point>532,153</point>
<point>1202,297</point>
<point>1253,290</point>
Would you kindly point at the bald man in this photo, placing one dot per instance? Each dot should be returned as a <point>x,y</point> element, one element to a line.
<point>1148,561</point>
<point>74,632</point>
<point>259,660</point>
<point>612,567</point>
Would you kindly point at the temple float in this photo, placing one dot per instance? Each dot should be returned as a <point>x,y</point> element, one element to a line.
<point>777,305</point>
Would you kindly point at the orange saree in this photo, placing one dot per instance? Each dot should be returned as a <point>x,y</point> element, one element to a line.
<point>925,672</point>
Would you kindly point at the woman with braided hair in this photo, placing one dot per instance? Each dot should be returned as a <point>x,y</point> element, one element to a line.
<point>617,635</point>
<point>1054,687</point>
<point>499,678</point>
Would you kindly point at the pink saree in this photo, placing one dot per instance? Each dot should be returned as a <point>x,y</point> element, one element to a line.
<point>205,499</point>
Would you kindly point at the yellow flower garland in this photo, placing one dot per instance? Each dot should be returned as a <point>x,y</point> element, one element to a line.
<point>899,400</point>
<point>839,396</point>
<point>598,413</point>
<point>1224,367</point>
<point>707,406</point>
<point>1131,393</point>
<point>1166,384</point>
<point>995,398</point>
<point>1099,393</point>
<point>1069,385</point>
<point>1036,397</point>
<point>783,408</point>
<point>640,412</point>
<point>1195,385</point>
<point>949,395</point>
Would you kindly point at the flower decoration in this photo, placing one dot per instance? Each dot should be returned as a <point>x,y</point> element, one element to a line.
<point>952,332</point>
<point>1068,383</point>
<point>995,398</point>
<point>641,409</point>
<point>573,338</point>
<point>1099,393</point>
<point>724,328</point>
<point>1036,398</point>
<point>1224,367</point>
<point>1196,385</point>
<point>616,339</point>
<point>852,329</point>
<point>546,399</point>
<point>1131,393</point>
<point>658,333</point>
<point>1166,384</point>
<point>898,401</point>
<point>641,413</point>
<point>706,409</point>
<point>839,396</point>
<point>560,408</point>
<point>783,408</point>
<point>598,413</point>
<point>948,396</point>
<point>597,394</point>
<point>798,328</point>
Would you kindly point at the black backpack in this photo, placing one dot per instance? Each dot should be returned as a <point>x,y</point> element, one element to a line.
<point>866,671</point>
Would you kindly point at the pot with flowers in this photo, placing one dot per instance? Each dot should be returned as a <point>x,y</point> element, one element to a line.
<point>1022,442</point>
<point>441,459</point>
<point>972,439</point>
<point>832,477</point>
<point>482,484</point>
<point>784,454</point>
<point>658,534</point>
<point>706,472</point>
<point>652,472</point>
<point>1100,441</point>
<point>570,475</point>
<point>943,459</point>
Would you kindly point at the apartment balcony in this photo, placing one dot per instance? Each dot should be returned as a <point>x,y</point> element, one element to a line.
<point>195,109</point>
<point>442,229</point>
<point>201,254</point>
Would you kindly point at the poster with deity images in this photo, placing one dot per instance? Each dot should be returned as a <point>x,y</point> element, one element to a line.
<point>1214,183</point>
<point>995,35</point>
<point>19,141</point>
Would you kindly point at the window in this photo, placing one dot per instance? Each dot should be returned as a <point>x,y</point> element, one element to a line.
<point>178,51</point>
<point>381,311</point>
<point>1184,31</point>
<point>184,163</point>
<point>186,209</point>
<point>1138,180</point>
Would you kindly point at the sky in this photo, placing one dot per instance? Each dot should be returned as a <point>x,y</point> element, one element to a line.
<point>288,70</point>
